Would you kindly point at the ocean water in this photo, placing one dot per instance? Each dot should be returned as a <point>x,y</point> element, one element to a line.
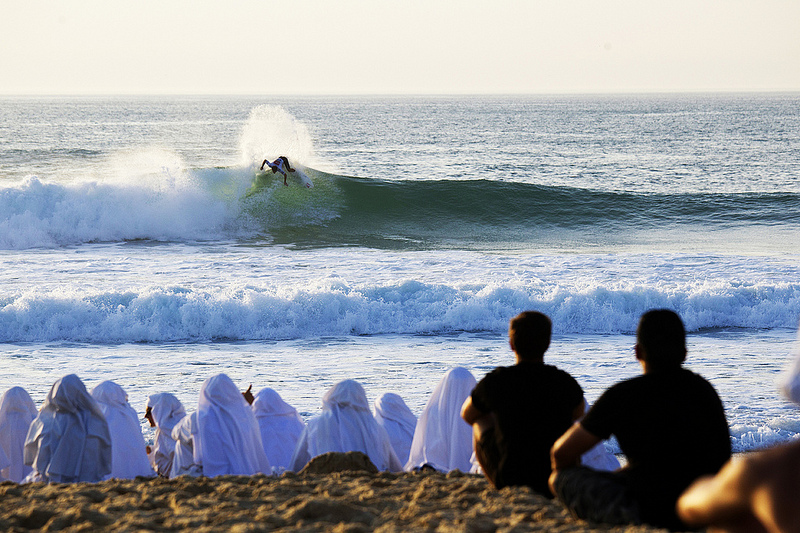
<point>139,243</point>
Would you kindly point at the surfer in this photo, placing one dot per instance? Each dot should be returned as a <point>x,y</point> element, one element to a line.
<point>279,165</point>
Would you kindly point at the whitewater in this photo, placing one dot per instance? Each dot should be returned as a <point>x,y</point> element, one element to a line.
<point>137,243</point>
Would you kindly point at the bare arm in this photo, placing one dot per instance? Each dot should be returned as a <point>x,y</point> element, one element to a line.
<point>756,492</point>
<point>722,500</point>
<point>470,413</point>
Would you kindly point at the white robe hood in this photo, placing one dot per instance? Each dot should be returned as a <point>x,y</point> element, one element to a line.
<point>167,411</point>
<point>17,411</point>
<point>69,440</point>
<point>184,434</point>
<point>346,425</point>
<point>280,427</point>
<point>228,439</point>
<point>392,413</point>
<point>442,439</point>
<point>128,455</point>
<point>790,385</point>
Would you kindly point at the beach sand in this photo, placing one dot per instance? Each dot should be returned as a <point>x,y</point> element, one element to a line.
<point>313,500</point>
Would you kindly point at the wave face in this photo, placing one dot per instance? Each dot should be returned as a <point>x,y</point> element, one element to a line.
<point>230,203</point>
<point>483,211</point>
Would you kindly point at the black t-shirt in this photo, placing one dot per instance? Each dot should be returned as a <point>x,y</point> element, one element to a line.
<point>671,427</point>
<point>534,404</point>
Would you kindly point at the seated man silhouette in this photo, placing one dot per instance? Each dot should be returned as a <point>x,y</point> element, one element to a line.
<point>669,423</point>
<point>517,412</point>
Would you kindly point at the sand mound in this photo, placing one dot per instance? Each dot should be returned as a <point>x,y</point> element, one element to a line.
<point>331,462</point>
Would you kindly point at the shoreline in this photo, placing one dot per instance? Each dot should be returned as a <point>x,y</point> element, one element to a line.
<point>345,501</point>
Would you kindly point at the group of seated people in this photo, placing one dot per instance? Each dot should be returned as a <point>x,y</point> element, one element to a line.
<point>79,435</point>
<point>527,424</point>
<point>669,423</point>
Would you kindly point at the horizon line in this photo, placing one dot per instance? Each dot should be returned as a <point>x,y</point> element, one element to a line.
<point>409,94</point>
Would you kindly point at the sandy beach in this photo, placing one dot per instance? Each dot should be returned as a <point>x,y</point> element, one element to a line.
<point>317,499</point>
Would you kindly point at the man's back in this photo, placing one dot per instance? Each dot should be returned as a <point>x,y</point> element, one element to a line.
<point>534,404</point>
<point>671,427</point>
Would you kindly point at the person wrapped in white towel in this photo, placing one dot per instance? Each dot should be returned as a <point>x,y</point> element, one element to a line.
<point>228,441</point>
<point>442,440</point>
<point>184,462</point>
<point>17,411</point>
<point>346,425</point>
<point>128,454</point>
<point>280,427</point>
<point>164,410</point>
<point>392,413</point>
<point>69,441</point>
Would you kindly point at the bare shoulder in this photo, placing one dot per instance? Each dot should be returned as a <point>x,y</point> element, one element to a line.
<point>774,497</point>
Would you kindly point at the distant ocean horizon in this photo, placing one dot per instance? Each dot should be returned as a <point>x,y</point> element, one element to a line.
<point>138,246</point>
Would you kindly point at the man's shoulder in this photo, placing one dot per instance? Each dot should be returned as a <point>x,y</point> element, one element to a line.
<point>528,368</point>
<point>679,382</point>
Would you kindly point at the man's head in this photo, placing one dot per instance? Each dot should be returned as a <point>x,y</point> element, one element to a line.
<point>661,339</point>
<point>529,335</point>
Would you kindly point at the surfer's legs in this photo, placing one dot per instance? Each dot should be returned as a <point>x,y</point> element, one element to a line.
<point>286,161</point>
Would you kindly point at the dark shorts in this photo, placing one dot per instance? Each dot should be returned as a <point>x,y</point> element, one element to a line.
<point>488,454</point>
<point>601,497</point>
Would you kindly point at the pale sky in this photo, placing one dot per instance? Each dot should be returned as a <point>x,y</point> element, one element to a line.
<point>397,47</point>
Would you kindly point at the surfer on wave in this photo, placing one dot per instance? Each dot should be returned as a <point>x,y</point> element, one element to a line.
<point>279,165</point>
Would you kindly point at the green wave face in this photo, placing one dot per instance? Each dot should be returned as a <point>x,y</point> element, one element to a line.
<point>485,214</point>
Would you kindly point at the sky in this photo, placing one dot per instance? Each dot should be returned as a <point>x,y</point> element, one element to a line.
<point>315,47</point>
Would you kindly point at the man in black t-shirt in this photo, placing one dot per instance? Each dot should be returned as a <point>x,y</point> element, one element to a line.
<point>669,423</point>
<point>517,412</point>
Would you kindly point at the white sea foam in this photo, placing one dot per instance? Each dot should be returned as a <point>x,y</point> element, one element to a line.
<point>141,194</point>
<point>334,308</point>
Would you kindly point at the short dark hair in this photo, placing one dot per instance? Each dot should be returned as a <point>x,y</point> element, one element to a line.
<point>529,333</point>
<point>662,338</point>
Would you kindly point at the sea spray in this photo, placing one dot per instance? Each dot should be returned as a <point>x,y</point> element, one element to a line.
<point>271,131</point>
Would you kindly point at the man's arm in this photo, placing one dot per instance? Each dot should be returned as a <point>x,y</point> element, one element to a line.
<point>756,492</point>
<point>476,418</point>
<point>470,413</point>
<point>718,500</point>
<point>568,449</point>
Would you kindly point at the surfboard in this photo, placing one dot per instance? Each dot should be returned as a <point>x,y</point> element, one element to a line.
<point>304,180</point>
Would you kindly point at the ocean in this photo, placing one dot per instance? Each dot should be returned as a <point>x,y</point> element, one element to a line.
<point>139,243</point>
